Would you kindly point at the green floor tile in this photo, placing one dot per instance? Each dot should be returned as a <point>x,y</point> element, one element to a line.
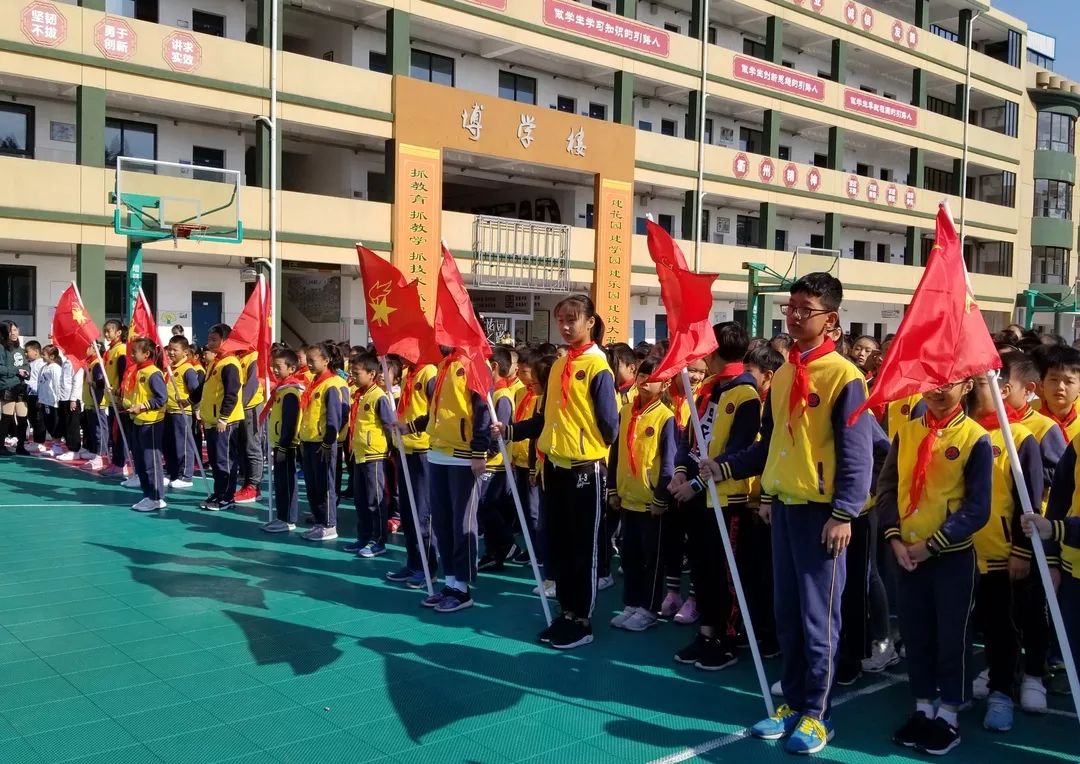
<point>18,751</point>
<point>35,692</point>
<point>202,746</point>
<point>131,754</point>
<point>81,740</point>
<point>328,748</point>
<point>153,696</point>
<point>50,716</point>
<point>154,723</point>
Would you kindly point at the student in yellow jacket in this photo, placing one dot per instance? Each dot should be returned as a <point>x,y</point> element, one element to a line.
<point>497,513</point>
<point>182,389</point>
<point>249,441</point>
<point>221,410</point>
<point>371,426</point>
<point>323,413</point>
<point>641,465</point>
<point>115,364</point>
<point>143,394</point>
<point>283,412</point>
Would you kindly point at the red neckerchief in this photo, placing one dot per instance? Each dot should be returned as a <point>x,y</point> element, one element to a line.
<point>296,378</point>
<point>440,377</point>
<point>631,435</point>
<point>677,401</point>
<point>305,398</point>
<point>502,384</point>
<point>925,455</point>
<point>764,394</point>
<point>407,389</point>
<point>567,373</point>
<point>523,405</point>
<point>130,379</point>
<point>800,381</point>
<point>990,421</point>
<point>354,409</point>
<point>732,370</point>
<point>626,388</point>
<point>704,393</point>
<point>1062,423</point>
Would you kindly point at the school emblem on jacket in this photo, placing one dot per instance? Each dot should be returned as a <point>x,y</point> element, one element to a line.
<point>418,387</point>
<point>952,453</point>
<point>813,400</point>
<point>367,407</point>
<point>905,409</point>
<point>996,451</point>
<point>730,409</point>
<point>580,376</point>
<point>316,396</point>
<point>649,432</point>
<point>461,372</point>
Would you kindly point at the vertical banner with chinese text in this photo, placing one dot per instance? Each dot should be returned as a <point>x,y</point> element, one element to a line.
<point>614,229</point>
<point>417,211</point>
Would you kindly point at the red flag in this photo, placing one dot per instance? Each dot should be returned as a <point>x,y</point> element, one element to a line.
<point>73,331</point>
<point>942,337</point>
<point>688,299</point>
<point>142,324</point>
<point>395,318</point>
<point>456,326</point>
<point>252,330</point>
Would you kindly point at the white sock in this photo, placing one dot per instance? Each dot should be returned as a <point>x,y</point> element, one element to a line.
<point>451,581</point>
<point>949,716</point>
<point>926,707</point>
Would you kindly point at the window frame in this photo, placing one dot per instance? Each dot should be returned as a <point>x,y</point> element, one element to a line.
<point>222,18</point>
<point>122,124</point>
<point>29,116</point>
<point>25,319</point>
<point>431,57</point>
<point>1050,256</point>
<point>1046,140</point>
<point>516,89</point>
<point>1055,200</point>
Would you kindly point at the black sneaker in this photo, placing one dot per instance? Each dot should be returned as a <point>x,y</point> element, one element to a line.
<point>714,656</point>
<point>690,654</point>
<point>208,500</point>
<point>847,673</point>
<point>226,504</point>
<point>488,563</point>
<point>769,647</point>
<point>939,737</point>
<point>575,634</point>
<point>554,630</point>
<point>913,731</point>
<point>521,558</point>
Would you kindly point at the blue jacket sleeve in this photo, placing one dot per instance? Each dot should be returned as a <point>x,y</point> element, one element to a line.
<point>251,385</point>
<point>667,463</point>
<point>191,382</point>
<point>230,384</point>
<point>290,418</point>
<point>385,410</point>
<point>881,451</point>
<point>744,427</point>
<point>751,460</point>
<point>97,384</point>
<point>1052,448</point>
<point>885,500</point>
<point>854,453</point>
<point>1060,501</point>
<point>158,393</point>
<point>1031,464</point>
<point>602,391</point>
<point>481,434</point>
<point>613,469</point>
<point>504,411</point>
<point>974,511</point>
<point>332,405</point>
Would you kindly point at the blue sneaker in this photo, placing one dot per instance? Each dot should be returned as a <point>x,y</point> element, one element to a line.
<point>416,580</point>
<point>999,713</point>
<point>810,736</point>
<point>453,601</point>
<point>371,549</point>
<point>781,724</point>
<point>353,547</point>
<point>435,599</point>
<point>400,575</point>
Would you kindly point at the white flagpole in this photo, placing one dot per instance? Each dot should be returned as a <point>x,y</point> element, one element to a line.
<point>1036,543</point>
<point>268,451</point>
<point>422,549</point>
<point>520,513</point>
<point>729,553</point>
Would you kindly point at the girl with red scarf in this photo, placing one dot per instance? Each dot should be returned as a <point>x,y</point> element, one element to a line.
<point>143,394</point>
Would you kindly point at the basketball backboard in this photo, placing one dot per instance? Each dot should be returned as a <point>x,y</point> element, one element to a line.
<point>167,200</point>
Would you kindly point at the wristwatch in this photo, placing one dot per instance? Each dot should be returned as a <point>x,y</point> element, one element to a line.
<point>933,547</point>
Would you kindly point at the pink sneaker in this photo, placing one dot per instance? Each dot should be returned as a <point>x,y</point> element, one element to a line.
<point>688,612</point>
<point>671,605</point>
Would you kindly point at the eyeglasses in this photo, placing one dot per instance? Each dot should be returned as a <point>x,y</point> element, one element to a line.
<point>801,313</point>
<point>946,388</point>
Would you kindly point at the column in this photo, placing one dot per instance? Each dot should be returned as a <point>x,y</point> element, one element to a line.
<point>838,61</point>
<point>962,23</point>
<point>922,14</point>
<point>690,222</point>
<point>959,183</point>
<point>693,116</point>
<point>623,112</point>
<point>398,49</point>
<point>767,225</point>
<point>264,13</point>
<point>833,227</point>
<point>836,148</point>
<point>627,8</point>
<point>263,142</point>
<point>913,246</point>
<point>696,14</point>
<point>90,152</point>
<point>774,39</point>
<point>961,102</point>
<point>916,168</point>
<point>918,88</point>
<point>770,132</point>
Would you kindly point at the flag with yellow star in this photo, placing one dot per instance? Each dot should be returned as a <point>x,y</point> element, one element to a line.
<point>395,318</point>
<point>73,331</point>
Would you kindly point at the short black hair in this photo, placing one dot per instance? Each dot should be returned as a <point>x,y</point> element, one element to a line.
<point>1050,358</point>
<point>144,344</point>
<point>1018,366</point>
<point>765,358</point>
<point>527,356</point>
<point>621,352</point>
<point>542,369</point>
<point>646,367</point>
<point>503,359</point>
<point>824,286</point>
<point>221,330</point>
<point>180,341</point>
<point>731,340</point>
<point>288,356</point>
<point>870,337</point>
<point>32,345</point>
<point>112,322</point>
<point>365,361</point>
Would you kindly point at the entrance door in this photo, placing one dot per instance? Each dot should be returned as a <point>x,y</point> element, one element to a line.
<point>205,312</point>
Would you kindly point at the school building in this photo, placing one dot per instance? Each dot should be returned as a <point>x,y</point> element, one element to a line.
<point>534,137</point>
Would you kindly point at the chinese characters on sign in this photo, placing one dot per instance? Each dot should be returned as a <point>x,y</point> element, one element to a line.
<point>607,27</point>
<point>43,24</point>
<point>115,38</point>
<point>872,191</point>
<point>813,179</point>
<point>614,227</point>
<point>181,51</point>
<point>472,121</point>
<point>791,175</point>
<point>525,130</point>
<point>766,171</point>
<point>740,165</point>
<point>575,142</point>
<point>882,108</point>
<point>852,186</point>
<point>777,77</point>
<point>417,215</point>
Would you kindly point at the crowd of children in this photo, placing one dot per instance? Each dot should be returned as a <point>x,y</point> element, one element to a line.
<point>910,513</point>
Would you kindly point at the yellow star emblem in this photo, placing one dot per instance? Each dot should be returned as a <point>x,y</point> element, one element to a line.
<point>380,312</point>
<point>77,314</point>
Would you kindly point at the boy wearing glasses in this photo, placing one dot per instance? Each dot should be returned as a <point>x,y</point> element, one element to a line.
<point>818,471</point>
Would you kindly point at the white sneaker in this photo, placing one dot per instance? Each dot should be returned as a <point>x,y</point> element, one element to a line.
<point>620,620</point>
<point>776,690</point>
<point>165,482</point>
<point>278,526</point>
<point>321,533</point>
<point>1033,695</point>
<point>181,483</point>
<point>85,455</point>
<point>980,687</point>
<point>30,448</point>
<point>149,505</point>
<point>67,456</point>
<point>882,655</point>
<point>606,582</point>
<point>640,620</point>
<point>57,449</point>
<point>131,482</point>
<point>94,464</point>
<point>549,589</point>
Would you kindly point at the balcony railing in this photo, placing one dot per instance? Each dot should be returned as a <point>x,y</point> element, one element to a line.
<point>521,254</point>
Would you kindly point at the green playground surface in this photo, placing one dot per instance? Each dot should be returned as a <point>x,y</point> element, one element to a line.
<point>189,636</point>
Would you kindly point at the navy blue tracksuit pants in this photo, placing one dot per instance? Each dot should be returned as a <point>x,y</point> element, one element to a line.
<point>934,604</point>
<point>369,498</point>
<point>455,494</point>
<point>179,454</point>
<point>530,500</point>
<point>320,479</point>
<point>418,473</point>
<point>286,495</point>
<point>808,583</point>
<point>146,452</point>
<point>221,450</point>
<point>95,421</point>
<point>497,515</point>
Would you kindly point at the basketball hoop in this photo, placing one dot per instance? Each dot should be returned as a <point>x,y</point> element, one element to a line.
<point>184,231</point>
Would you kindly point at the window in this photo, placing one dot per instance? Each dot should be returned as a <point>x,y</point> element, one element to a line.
<point>598,111</point>
<point>673,28</point>
<point>669,127</point>
<point>667,222</point>
<point>817,241</point>
<point>143,10</point>
<point>601,6</point>
<point>821,160</point>
<point>943,32</point>
<point>17,300</point>
<point>890,96</point>
<point>377,62</point>
<point>751,140</point>
<point>753,48</point>
<point>206,157</point>
<point>517,87</point>
<point>864,170</point>
<point>1001,119</point>
<point>883,253</point>
<point>564,103</point>
<point>994,258</point>
<point>998,188</point>
<point>124,138</point>
<point>747,231</point>
<point>1049,265</point>
<point>432,67</point>
<point>821,73</point>
<point>1040,60</point>
<point>868,89</point>
<point>208,23</point>
<point>856,330</point>
<point>788,64</point>
<point>942,107</point>
<point>886,174</point>
<point>712,35</point>
<point>937,180</point>
<point>116,292</point>
<point>17,130</point>
<point>780,240</point>
<point>643,125</point>
<point>706,219</point>
<point>640,229</point>
<point>707,135</point>
<point>1056,132</point>
<point>784,152</point>
<point>858,250</point>
<point>1053,199</point>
